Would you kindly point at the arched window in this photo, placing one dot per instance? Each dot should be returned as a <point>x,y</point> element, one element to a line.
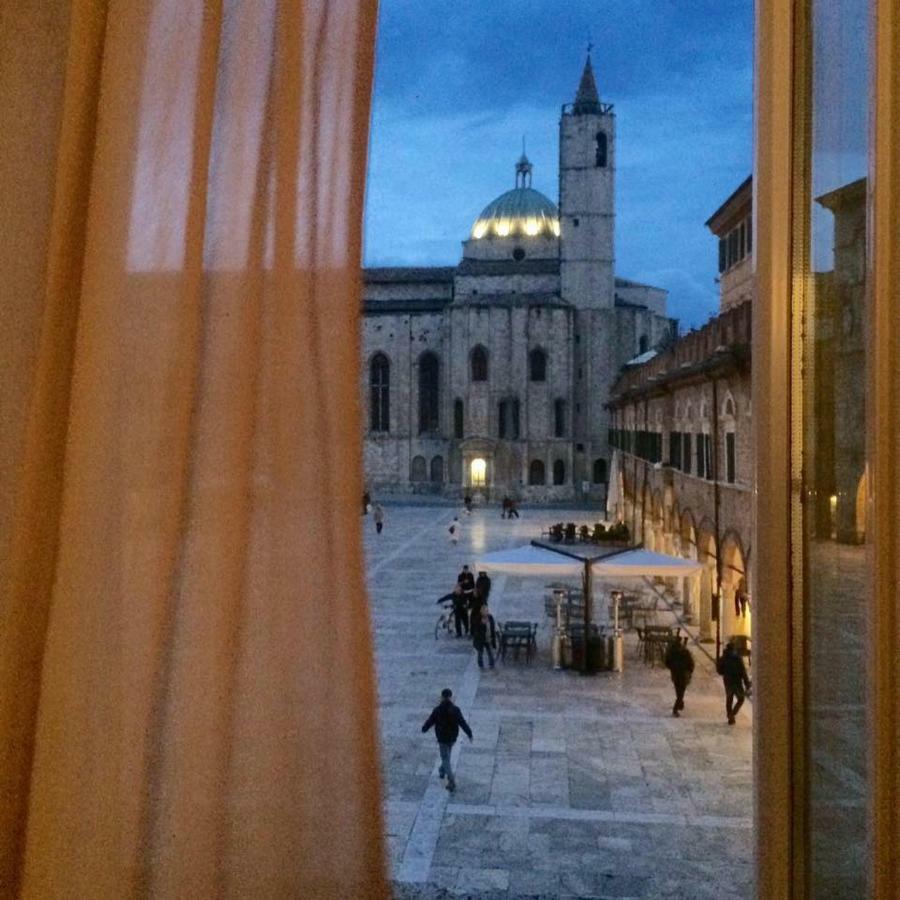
<point>536,472</point>
<point>418,470</point>
<point>600,155</point>
<point>380,393</point>
<point>599,471</point>
<point>502,413</point>
<point>559,472</point>
<point>429,397</point>
<point>559,418</point>
<point>437,469</point>
<point>515,418</point>
<point>537,365</point>
<point>479,364</point>
<point>643,344</point>
<point>458,425</point>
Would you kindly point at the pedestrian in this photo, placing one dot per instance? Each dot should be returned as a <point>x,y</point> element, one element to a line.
<point>680,663</point>
<point>467,502</point>
<point>483,586</point>
<point>512,509</point>
<point>460,611</point>
<point>454,530</point>
<point>366,503</point>
<point>466,580</point>
<point>447,720</point>
<point>484,634</point>
<point>504,507</point>
<point>378,517</point>
<point>734,676</point>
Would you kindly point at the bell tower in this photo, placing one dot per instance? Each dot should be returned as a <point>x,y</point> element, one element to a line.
<point>587,159</point>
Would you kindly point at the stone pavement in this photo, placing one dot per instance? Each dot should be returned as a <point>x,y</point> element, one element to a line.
<point>573,786</point>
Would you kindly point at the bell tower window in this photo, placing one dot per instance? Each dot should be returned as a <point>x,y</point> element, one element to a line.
<point>600,152</point>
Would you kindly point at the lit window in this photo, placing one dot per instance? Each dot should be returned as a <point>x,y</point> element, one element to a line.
<point>479,229</point>
<point>503,227</point>
<point>531,226</point>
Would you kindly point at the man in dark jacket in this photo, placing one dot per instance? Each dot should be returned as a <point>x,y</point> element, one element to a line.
<point>447,719</point>
<point>735,679</point>
<point>680,663</point>
<point>484,634</point>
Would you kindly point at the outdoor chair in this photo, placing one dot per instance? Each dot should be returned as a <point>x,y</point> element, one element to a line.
<point>584,533</point>
<point>570,533</point>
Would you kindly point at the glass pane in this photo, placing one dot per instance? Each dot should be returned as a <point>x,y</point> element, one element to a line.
<point>834,461</point>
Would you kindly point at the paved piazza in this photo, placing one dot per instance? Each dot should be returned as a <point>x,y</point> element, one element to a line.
<point>573,786</point>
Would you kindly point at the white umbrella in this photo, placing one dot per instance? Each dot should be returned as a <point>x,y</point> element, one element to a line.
<point>641,563</point>
<point>531,560</point>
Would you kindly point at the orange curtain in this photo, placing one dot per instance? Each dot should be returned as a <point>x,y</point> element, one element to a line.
<point>186,681</point>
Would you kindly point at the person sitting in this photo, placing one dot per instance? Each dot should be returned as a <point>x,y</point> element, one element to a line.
<point>570,532</point>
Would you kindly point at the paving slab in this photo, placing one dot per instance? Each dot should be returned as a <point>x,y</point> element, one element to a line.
<point>574,786</point>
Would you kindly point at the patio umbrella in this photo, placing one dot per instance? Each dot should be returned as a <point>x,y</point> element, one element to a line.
<point>640,563</point>
<point>537,559</point>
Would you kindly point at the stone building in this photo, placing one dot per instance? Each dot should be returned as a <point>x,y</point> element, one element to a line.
<point>492,375</point>
<point>681,425</point>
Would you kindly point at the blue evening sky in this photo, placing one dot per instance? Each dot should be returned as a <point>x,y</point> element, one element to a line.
<point>459,82</point>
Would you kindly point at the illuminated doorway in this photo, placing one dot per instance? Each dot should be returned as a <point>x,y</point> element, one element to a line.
<point>478,472</point>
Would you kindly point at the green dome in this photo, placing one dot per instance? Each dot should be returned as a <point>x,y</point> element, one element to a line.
<point>521,212</point>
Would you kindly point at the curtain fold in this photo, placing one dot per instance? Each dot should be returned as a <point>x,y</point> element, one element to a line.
<point>186,684</point>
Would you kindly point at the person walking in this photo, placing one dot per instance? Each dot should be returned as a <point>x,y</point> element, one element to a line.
<point>447,719</point>
<point>454,530</point>
<point>512,509</point>
<point>483,586</point>
<point>484,634</point>
<point>504,507</point>
<point>460,611</point>
<point>378,517</point>
<point>735,678</point>
<point>366,503</point>
<point>680,663</point>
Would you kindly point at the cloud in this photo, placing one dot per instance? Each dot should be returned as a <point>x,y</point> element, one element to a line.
<point>459,83</point>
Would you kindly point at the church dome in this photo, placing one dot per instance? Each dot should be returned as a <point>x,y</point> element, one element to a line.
<point>521,212</point>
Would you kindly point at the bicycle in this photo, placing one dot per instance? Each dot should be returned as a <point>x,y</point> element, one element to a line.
<point>445,621</point>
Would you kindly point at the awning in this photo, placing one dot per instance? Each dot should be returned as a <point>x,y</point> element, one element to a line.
<point>641,563</point>
<point>530,560</point>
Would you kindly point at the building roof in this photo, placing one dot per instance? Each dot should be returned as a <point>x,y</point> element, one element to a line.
<point>408,274</point>
<point>587,100</point>
<point>470,266</point>
<point>521,212</point>
<point>735,208</point>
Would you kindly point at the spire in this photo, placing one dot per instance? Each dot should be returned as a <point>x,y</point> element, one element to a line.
<point>587,100</point>
<point>523,169</point>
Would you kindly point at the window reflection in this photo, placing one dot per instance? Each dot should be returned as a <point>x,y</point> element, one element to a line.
<point>834,451</point>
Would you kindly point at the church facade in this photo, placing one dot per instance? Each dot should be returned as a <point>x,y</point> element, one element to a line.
<point>492,376</point>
